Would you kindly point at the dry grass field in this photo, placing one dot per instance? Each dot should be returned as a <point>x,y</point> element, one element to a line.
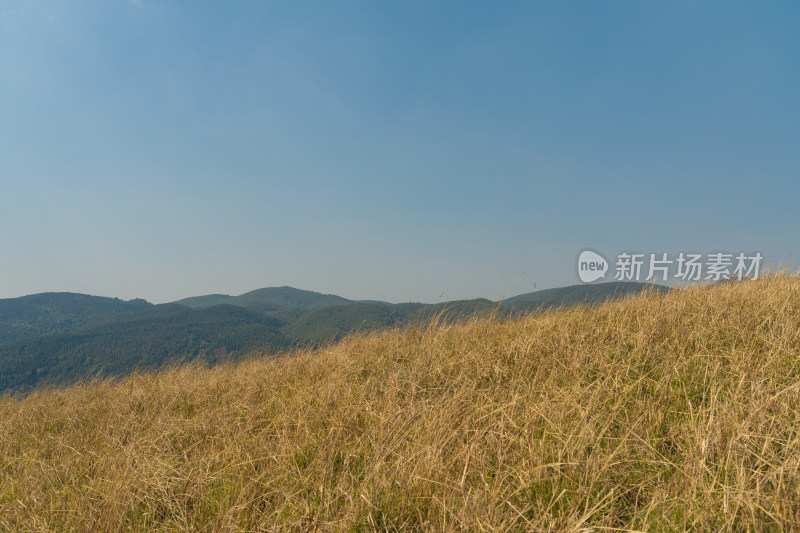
<point>654,413</point>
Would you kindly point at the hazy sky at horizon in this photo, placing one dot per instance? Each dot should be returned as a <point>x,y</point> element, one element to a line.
<point>393,151</point>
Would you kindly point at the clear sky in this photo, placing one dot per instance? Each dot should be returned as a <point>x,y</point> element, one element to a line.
<point>387,150</point>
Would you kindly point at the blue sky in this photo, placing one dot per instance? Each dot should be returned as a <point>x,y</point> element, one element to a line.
<point>387,150</point>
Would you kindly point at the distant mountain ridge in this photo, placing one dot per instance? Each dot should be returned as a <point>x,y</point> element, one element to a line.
<point>592,293</point>
<point>276,296</point>
<point>53,338</point>
<point>331,323</point>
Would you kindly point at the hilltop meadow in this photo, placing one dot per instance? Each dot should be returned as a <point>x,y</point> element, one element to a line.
<point>656,412</point>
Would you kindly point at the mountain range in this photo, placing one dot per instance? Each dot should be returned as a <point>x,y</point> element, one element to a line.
<point>57,338</point>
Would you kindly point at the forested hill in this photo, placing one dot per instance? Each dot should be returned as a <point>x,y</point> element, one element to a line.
<point>334,322</point>
<point>216,334</point>
<point>55,338</point>
<point>270,297</point>
<point>61,312</point>
<point>579,294</point>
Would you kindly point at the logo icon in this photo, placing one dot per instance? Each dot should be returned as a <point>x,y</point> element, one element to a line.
<point>591,266</point>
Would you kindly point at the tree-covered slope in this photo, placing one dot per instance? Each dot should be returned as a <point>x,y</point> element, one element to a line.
<point>270,298</point>
<point>332,323</point>
<point>290,297</point>
<point>215,334</point>
<point>579,294</point>
<point>61,312</point>
<point>60,337</point>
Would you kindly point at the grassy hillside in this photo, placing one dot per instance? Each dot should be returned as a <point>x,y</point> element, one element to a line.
<point>657,412</point>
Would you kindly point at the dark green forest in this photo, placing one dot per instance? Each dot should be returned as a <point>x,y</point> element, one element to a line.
<point>59,338</point>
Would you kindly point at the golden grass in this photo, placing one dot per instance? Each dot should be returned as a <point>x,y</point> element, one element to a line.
<point>655,413</point>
